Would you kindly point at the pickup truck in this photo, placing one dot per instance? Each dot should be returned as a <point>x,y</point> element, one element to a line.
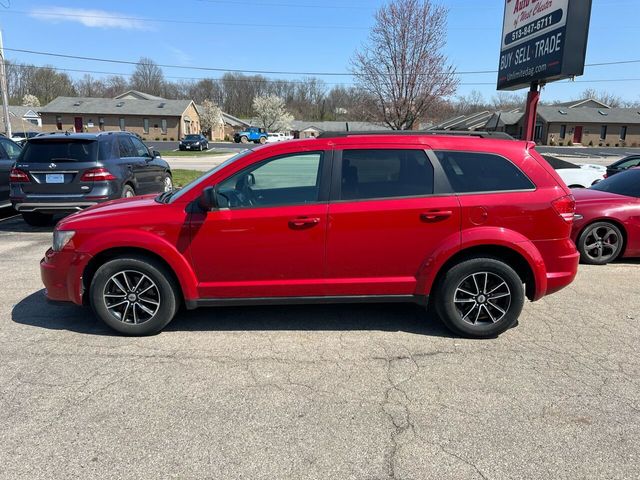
<point>251,134</point>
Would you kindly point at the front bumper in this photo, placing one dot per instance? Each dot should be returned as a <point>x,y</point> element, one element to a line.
<point>61,274</point>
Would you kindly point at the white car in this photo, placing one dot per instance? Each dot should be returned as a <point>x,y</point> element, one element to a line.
<point>577,176</point>
<point>278,137</point>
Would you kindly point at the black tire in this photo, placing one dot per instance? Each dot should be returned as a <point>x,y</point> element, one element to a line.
<point>127,191</point>
<point>165,184</point>
<point>263,140</point>
<point>489,322</point>
<point>600,243</point>
<point>167,296</point>
<point>37,219</point>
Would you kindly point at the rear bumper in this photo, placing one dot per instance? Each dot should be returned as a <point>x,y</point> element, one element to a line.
<point>61,274</point>
<point>561,260</point>
<point>51,207</point>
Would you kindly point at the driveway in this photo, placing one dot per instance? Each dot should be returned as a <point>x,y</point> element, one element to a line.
<point>321,392</point>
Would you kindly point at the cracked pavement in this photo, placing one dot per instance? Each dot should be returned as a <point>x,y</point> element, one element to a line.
<point>317,392</point>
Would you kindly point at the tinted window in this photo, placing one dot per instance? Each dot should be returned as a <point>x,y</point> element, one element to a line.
<point>623,183</point>
<point>106,149</point>
<point>482,172</point>
<point>385,173</point>
<point>633,162</point>
<point>192,137</point>
<point>56,151</point>
<point>141,149</point>
<point>558,164</point>
<point>11,149</point>
<point>289,180</point>
<point>126,147</point>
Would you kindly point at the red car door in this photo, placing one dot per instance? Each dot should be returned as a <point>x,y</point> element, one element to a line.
<point>269,239</point>
<point>385,222</point>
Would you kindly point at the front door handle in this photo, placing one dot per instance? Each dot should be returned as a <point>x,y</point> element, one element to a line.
<point>304,222</point>
<point>435,215</point>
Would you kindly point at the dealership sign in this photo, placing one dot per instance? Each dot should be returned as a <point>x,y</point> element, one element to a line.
<point>542,40</point>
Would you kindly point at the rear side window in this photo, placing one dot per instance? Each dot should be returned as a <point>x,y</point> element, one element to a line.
<point>11,149</point>
<point>126,147</point>
<point>60,151</point>
<point>379,173</point>
<point>141,149</point>
<point>106,150</point>
<point>482,172</point>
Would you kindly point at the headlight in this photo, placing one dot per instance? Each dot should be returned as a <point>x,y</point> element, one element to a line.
<point>61,238</point>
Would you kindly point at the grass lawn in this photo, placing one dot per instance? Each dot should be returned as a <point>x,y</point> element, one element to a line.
<point>183,176</point>
<point>191,153</point>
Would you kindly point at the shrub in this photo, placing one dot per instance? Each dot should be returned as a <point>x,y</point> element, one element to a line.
<point>591,143</point>
<point>634,144</point>
<point>157,139</point>
<point>569,143</point>
<point>144,139</point>
<point>226,138</point>
<point>561,144</point>
<point>171,138</point>
<point>608,144</point>
<point>164,139</point>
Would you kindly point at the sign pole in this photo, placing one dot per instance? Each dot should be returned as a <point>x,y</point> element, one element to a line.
<point>531,112</point>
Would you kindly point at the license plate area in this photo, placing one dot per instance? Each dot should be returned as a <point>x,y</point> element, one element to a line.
<point>54,178</point>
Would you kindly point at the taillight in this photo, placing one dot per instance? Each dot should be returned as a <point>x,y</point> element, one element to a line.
<point>17,175</point>
<point>97,175</point>
<point>565,207</point>
<point>606,175</point>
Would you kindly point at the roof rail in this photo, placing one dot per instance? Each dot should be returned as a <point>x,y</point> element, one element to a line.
<point>460,133</point>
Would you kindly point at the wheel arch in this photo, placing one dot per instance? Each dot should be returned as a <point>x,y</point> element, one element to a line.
<point>515,259</point>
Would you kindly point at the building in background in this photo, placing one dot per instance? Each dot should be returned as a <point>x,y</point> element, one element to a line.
<point>23,119</point>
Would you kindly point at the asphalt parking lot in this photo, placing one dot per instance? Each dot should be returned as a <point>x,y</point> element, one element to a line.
<point>321,392</point>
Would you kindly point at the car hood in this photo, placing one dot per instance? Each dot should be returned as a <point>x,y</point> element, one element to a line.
<point>587,195</point>
<point>124,207</point>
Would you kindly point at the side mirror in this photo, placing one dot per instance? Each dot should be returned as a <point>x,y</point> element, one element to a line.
<point>156,154</point>
<point>251,180</point>
<point>208,200</point>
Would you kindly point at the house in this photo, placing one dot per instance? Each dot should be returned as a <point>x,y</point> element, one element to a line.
<point>22,119</point>
<point>583,122</point>
<point>152,119</point>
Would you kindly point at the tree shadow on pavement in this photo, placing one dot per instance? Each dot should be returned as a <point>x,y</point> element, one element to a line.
<point>34,310</point>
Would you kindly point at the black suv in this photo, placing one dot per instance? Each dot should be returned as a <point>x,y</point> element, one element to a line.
<point>194,142</point>
<point>64,172</point>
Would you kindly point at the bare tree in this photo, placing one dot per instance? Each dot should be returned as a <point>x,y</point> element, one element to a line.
<point>89,86</point>
<point>602,96</point>
<point>508,101</point>
<point>272,113</point>
<point>148,77</point>
<point>115,85</point>
<point>404,66</point>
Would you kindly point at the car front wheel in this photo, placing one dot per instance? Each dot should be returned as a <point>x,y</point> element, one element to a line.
<point>600,243</point>
<point>479,297</point>
<point>134,295</point>
<point>167,183</point>
<point>128,191</point>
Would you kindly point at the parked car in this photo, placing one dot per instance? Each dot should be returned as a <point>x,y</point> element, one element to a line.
<point>607,221</point>
<point>251,134</point>
<point>68,172</point>
<point>278,137</point>
<point>21,137</point>
<point>577,176</point>
<point>468,225</point>
<point>194,142</point>
<point>9,152</point>
<point>623,164</point>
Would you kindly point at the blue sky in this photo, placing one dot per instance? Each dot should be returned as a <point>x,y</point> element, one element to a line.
<point>290,35</point>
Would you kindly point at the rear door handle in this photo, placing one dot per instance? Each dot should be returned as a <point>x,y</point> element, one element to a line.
<point>304,222</point>
<point>435,215</point>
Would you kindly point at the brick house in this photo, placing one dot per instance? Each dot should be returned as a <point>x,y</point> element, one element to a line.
<point>152,118</point>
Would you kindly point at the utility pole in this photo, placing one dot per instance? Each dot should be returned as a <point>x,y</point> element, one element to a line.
<point>3,87</point>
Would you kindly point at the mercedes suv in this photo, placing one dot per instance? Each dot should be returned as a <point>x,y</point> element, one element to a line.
<point>62,173</point>
<point>468,225</point>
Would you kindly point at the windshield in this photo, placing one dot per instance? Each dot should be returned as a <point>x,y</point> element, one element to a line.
<point>57,151</point>
<point>190,186</point>
<point>192,137</point>
<point>623,183</point>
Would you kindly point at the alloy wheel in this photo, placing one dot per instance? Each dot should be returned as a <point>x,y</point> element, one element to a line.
<point>482,298</point>
<point>131,297</point>
<point>602,243</point>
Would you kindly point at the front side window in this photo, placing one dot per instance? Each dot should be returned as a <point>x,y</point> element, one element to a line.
<point>482,172</point>
<point>288,180</point>
<point>380,173</point>
<point>126,147</point>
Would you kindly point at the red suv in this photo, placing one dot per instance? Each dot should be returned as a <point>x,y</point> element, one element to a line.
<point>468,225</point>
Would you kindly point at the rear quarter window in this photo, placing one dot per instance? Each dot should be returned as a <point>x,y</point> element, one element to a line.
<point>471,172</point>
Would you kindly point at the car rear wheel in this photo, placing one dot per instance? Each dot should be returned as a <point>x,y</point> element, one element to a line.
<point>128,191</point>
<point>244,139</point>
<point>479,297</point>
<point>134,295</point>
<point>600,243</point>
<point>37,219</point>
<point>263,140</point>
<point>168,183</point>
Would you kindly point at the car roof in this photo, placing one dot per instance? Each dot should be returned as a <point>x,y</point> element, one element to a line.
<point>77,136</point>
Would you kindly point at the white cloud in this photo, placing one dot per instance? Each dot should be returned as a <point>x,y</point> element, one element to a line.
<point>89,18</point>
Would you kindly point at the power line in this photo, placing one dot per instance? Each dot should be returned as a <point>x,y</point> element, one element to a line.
<point>265,72</point>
